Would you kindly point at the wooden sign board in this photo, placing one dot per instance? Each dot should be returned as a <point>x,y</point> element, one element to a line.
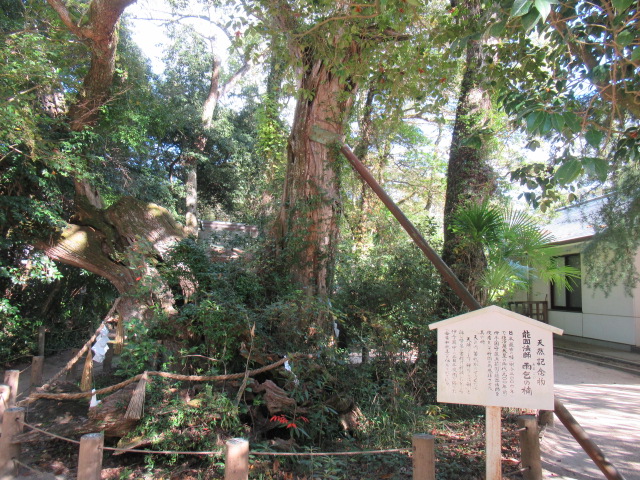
<point>496,358</point>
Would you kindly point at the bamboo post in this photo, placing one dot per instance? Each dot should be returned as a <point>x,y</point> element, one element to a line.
<point>72,374</point>
<point>236,465</point>
<point>11,378</point>
<point>530,447</point>
<point>493,444</point>
<point>37,365</point>
<point>90,458</point>
<point>12,425</point>
<point>41,338</point>
<point>424,457</point>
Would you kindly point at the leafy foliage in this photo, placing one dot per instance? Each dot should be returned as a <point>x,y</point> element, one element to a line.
<point>517,249</point>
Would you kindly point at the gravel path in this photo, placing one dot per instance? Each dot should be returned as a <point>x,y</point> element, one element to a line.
<point>606,402</point>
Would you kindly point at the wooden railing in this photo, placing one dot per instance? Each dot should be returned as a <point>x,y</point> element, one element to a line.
<point>538,310</point>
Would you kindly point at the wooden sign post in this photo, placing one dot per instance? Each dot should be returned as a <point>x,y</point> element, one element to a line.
<point>495,358</point>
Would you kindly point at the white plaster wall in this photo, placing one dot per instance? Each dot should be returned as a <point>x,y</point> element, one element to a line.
<point>570,322</point>
<point>609,328</point>
<point>613,318</point>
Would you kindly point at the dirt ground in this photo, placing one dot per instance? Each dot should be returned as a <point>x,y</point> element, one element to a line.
<point>606,403</point>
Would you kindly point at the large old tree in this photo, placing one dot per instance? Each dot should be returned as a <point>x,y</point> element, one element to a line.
<point>470,178</point>
<point>330,48</point>
<point>118,243</point>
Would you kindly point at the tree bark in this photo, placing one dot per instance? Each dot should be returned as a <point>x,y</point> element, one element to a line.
<point>100,34</point>
<point>113,244</point>
<point>307,225</point>
<point>470,178</point>
<point>119,243</point>
<point>366,199</point>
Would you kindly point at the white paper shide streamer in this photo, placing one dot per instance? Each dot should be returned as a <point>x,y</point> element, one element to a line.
<point>100,347</point>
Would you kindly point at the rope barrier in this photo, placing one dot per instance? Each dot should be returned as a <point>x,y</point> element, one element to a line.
<point>164,452</point>
<point>257,453</point>
<point>473,440</point>
<point>49,434</point>
<point>40,473</point>
<point>173,376</point>
<point>79,355</point>
<point>325,454</point>
<point>526,469</point>
<point>219,452</point>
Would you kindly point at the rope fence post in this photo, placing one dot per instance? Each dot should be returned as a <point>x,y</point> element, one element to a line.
<point>12,424</point>
<point>424,457</point>
<point>5,392</point>
<point>530,447</point>
<point>41,337</point>
<point>90,458</point>
<point>11,378</point>
<point>72,373</point>
<point>108,359</point>
<point>545,418</point>
<point>236,464</point>
<point>37,366</point>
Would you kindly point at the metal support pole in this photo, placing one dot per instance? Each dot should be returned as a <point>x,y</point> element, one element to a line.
<point>530,447</point>
<point>424,457</point>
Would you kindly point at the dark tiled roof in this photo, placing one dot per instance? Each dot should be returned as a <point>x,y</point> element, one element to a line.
<point>575,222</point>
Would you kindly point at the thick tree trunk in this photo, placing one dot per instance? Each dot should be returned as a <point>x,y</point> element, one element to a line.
<point>114,243</point>
<point>307,227</point>
<point>191,184</point>
<point>100,33</point>
<point>120,243</point>
<point>366,199</point>
<point>470,178</point>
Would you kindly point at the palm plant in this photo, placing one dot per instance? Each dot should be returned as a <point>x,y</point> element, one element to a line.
<point>516,248</point>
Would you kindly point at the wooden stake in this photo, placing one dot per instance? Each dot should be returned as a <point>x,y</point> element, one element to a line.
<point>108,359</point>
<point>530,447</point>
<point>424,457</point>
<point>5,393</point>
<point>119,341</point>
<point>41,338</point>
<point>545,418</point>
<point>236,465</point>
<point>90,458</point>
<point>37,365</point>
<point>12,425</point>
<point>11,378</point>
<point>87,374</point>
<point>72,373</point>
<point>493,444</point>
